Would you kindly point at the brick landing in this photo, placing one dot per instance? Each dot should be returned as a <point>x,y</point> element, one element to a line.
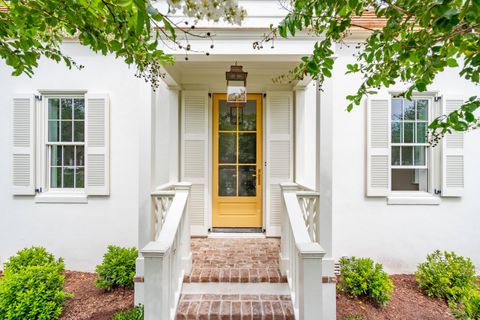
<point>235,307</point>
<point>235,260</point>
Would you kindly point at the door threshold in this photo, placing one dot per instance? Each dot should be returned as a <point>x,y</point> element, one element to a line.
<point>237,230</point>
<point>236,233</point>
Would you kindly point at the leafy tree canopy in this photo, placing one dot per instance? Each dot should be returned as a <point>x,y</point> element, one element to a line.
<point>130,29</point>
<point>418,40</point>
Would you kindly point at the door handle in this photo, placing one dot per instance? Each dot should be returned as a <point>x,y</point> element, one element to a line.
<point>259,176</point>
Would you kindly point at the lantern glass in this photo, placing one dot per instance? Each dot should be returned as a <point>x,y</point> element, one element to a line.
<point>236,91</point>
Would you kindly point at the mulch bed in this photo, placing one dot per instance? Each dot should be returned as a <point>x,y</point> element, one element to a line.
<point>90,302</point>
<point>408,302</point>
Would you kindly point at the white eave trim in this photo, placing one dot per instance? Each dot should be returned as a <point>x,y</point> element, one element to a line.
<point>412,198</point>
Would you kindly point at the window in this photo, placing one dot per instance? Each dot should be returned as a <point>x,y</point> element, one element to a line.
<point>51,157</point>
<point>408,147</point>
<point>65,142</point>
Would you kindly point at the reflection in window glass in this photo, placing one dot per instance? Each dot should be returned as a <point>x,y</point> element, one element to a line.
<point>410,180</point>
<point>227,148</point>
<point>247,148</point>
<point>409,144</point>
<point>227,181</point>
<point>247,181</point>
<point>66,123</point>
<point>248,117</point>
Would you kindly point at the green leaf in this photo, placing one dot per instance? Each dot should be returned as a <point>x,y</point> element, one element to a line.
<point>452,63</point>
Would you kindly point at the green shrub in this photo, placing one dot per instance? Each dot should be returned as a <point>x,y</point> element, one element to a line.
<point>32,289</point>
<point>363,277</point>
<point>117,268</point>
<point>355,317</point>
<point>469,306</point>
<point>446,275</point>
<point>135,313</point>
<point>34,256</point>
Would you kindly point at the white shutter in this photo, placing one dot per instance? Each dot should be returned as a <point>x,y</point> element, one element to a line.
<point>452,154</point>
<point>23,155</point>
<point>194,156</point>
<point>378,146</point>
<point>97,144</point>
<point>279,152</point>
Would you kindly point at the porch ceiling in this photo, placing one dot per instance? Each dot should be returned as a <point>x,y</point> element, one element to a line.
<point>211,72</point>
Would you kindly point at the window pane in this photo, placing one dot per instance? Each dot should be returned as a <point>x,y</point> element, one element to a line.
<point>227,181</point>
<point>53,109</point>
<point>79,178</point>
<point>422,108</point>
<point>53,131</point>
<point>227,117</point>
<point>421,132</point>
<point>408,136</point>
<point>420,155</point>
<point>247,184</point>
<point>68,178</point>
<point>395,156</point>
<point>79,156</point>
<point>67,109</point>
<point>397,109</point>
<point>410,180</point>
<point>407,156</point>
<point>79,109</point>
<point>79,131</point>
<point>409,109</point>
<point>227,148</point>
<point>56,177</point>
<point>68,155</point>
<point>56,156</point>
<point>247,147</point>
<point>397,132</point>
<point>248,116</point>
<point>67,131</point>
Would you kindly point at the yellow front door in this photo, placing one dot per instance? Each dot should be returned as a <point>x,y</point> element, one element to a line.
<point>237,163</point>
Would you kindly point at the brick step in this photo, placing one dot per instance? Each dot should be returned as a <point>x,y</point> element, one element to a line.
<point>234,275</point>
<point>235,307</point>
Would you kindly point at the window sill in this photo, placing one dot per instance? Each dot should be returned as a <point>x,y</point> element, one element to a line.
<point>406,198</point>
<point>54,197</point>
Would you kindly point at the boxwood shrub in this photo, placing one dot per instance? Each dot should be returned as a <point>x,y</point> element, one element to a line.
<point>135,313</point>
<point>117,268</point>
<point>446,275</point>
<point>363,277</point>
<point>32,289</point>
<point>468,308</point>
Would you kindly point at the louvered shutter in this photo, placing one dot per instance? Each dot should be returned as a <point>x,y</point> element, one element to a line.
<point>23,155</point>
<point>452,154</point>
<point>279,152</point>
<point>194,156</point>
<point>97,144</point>
<point>378,146</point>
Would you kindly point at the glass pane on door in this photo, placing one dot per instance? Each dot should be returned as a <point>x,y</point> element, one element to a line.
<point>237,147</point>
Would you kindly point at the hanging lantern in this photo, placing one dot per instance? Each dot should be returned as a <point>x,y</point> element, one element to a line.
<point>236,86</point>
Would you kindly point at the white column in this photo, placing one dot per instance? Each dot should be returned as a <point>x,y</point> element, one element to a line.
<point>299,142</point>
<point>146,120</point>
<point>310,273</point>
<point>324,173</point>
<point>156,291</point>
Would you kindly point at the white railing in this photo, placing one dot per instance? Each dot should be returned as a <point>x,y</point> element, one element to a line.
<point>301,255</point>
<point>167,258</point>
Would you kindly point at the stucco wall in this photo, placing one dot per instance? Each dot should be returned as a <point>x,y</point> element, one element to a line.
<point>400,236</point>
<point>78,232</point>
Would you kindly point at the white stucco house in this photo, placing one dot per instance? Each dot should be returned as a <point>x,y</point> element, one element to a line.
<point>95,157</point>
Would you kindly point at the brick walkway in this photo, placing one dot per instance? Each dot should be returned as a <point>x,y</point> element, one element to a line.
<point>235,260</point>
<point>232,307</point>
<point>241,261</point>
